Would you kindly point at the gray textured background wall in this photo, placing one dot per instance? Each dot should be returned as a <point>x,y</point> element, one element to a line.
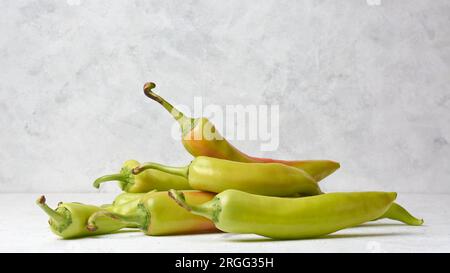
<point>368,85</point>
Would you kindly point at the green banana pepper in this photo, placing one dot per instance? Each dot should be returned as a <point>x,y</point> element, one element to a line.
<point>289,218</point>
<point>156,214</point>
<point>145,181</point>
<point>69,220</point>
<point>216,175</point>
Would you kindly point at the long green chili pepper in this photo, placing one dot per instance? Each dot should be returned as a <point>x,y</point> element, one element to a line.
<point>145,181</point>
<point>289,218</point>
<point>216,175</point>
<point>156,214</point>
<point>69,220</point>
<point>395,212</point>
<point>200,138</point>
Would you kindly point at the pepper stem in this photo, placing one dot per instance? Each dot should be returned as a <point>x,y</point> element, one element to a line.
<point>206,209</point>
<point>186,123</point>
<point>54,216</point>
<point>137,220</point>
<point>110,177</point>
<point>180,171</point>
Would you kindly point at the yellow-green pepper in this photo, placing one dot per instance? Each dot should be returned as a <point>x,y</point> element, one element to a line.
<point>289,218</point>
<point>145,181</point>
<point>69,220</point>
<point>156,214</point>
<point>216,175</point>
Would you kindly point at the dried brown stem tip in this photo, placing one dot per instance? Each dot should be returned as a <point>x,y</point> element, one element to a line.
<point>41,200</point>
<point>136,170</point>
<point>149,86</point>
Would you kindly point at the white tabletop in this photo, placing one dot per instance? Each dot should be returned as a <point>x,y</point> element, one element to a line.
<point>24,228</point>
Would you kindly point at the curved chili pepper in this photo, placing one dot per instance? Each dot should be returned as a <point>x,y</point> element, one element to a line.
<point>156,214</point>
<point>145,181</point>
<point>69,220</point>
<point>216,175</point>
<point>289,218</point>
<point>200,138</point>
<point>395,212</point>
